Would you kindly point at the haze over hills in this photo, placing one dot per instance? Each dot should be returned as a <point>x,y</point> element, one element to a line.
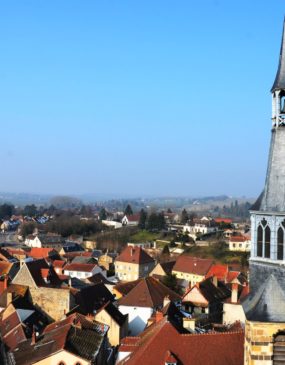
<point>156,201</point>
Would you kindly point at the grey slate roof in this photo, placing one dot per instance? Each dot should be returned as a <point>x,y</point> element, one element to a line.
<point>273,197</point>
<point>279,82</point>
<point>267,304</point>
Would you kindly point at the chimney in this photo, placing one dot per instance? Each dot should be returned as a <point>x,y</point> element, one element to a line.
<point>234,297</point>
<point>166,300</point>
<point>215,281</point>
<point>69,282</point>
<point>9,298</point>
<point>5,283</point>
<point>158,316</point>
<point>34,337</point>
<point>131,251</point>
<point>189,324</point>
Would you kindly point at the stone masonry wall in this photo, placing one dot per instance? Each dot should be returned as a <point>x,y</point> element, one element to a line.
<point>259,342</point>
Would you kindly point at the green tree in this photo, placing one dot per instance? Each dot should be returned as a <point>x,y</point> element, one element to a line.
<point>143,219</point>
<point>184,216</point>
<point>128,210</point>
<point>103,214</point>
<point>28,228</point>
<point>30,210</point>
<point>170,281</point>
<point>6,211</point>
<point>156,221</point>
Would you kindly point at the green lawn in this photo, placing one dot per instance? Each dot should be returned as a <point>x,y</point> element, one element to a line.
<point>144,236</point>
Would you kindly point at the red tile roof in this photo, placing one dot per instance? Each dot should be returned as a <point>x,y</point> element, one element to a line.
<point>193,265</point>
<point>162,339</point>
<point>5,267</point>
<point>80,267</point>
<point>40,253</point>
<point>58,263</point>
<point>150,293</point>
<point>238,239</point>
<point>220,271</point>
<point>232,275</point>
<point>223,220</point>
<point>134,217</point>
<point>134,255</point>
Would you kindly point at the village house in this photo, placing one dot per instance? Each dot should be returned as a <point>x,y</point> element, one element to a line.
<point>113,224</point>
<point>133,263</point>
<point>192,269</point>
<point>162,269</point>
<point>45,288</point>
<point>106,261</point>
<point>74,340</point>
<point>81,271</point>
<point>131,220</point>
<point>167,344</point>
<point>203,225</point>
<point>19,319</point>
<point>115,320</point>
<point>58,266</point>
<point>206,297</point>
<point>240,243</point>
<point>42,253</point>
<point>146,297</point>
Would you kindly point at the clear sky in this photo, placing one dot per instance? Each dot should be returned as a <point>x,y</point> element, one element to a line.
<point>137,97</point>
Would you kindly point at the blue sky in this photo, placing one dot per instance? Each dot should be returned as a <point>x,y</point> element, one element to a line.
<point>137,98</point>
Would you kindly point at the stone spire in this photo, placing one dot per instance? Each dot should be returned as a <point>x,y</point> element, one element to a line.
<point>272,198</point>
<point>279,82</point>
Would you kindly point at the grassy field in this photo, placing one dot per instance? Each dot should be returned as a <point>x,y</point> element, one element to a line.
<point>144,236</point>
<point>220,253</point>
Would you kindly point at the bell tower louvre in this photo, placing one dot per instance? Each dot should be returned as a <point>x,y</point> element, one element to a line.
<point>264,307</point>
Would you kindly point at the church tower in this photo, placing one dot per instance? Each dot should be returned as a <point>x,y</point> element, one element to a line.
<point>265,306</point>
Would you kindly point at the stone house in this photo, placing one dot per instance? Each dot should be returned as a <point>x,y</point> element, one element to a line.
<point>192,269</point>
<point>133,263</point>
<point>143,300</point>
<point>45,288</point>
<point>115,320</point>
<point>74,340</point>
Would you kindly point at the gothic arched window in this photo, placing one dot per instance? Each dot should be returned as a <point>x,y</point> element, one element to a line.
<point>280,244</point>
<point>259,241</point>
<point>267,242</point>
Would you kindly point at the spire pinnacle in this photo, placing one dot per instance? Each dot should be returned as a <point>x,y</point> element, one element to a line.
<point>279,82</point>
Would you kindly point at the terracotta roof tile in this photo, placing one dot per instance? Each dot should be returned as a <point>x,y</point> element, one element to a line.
<point>220,271</point>
<point>40,253</point>
<point>134,255</point>
<point>80,267</point>
<point>162,338</point>
<point>149,292</point>
<point>193,265</point>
